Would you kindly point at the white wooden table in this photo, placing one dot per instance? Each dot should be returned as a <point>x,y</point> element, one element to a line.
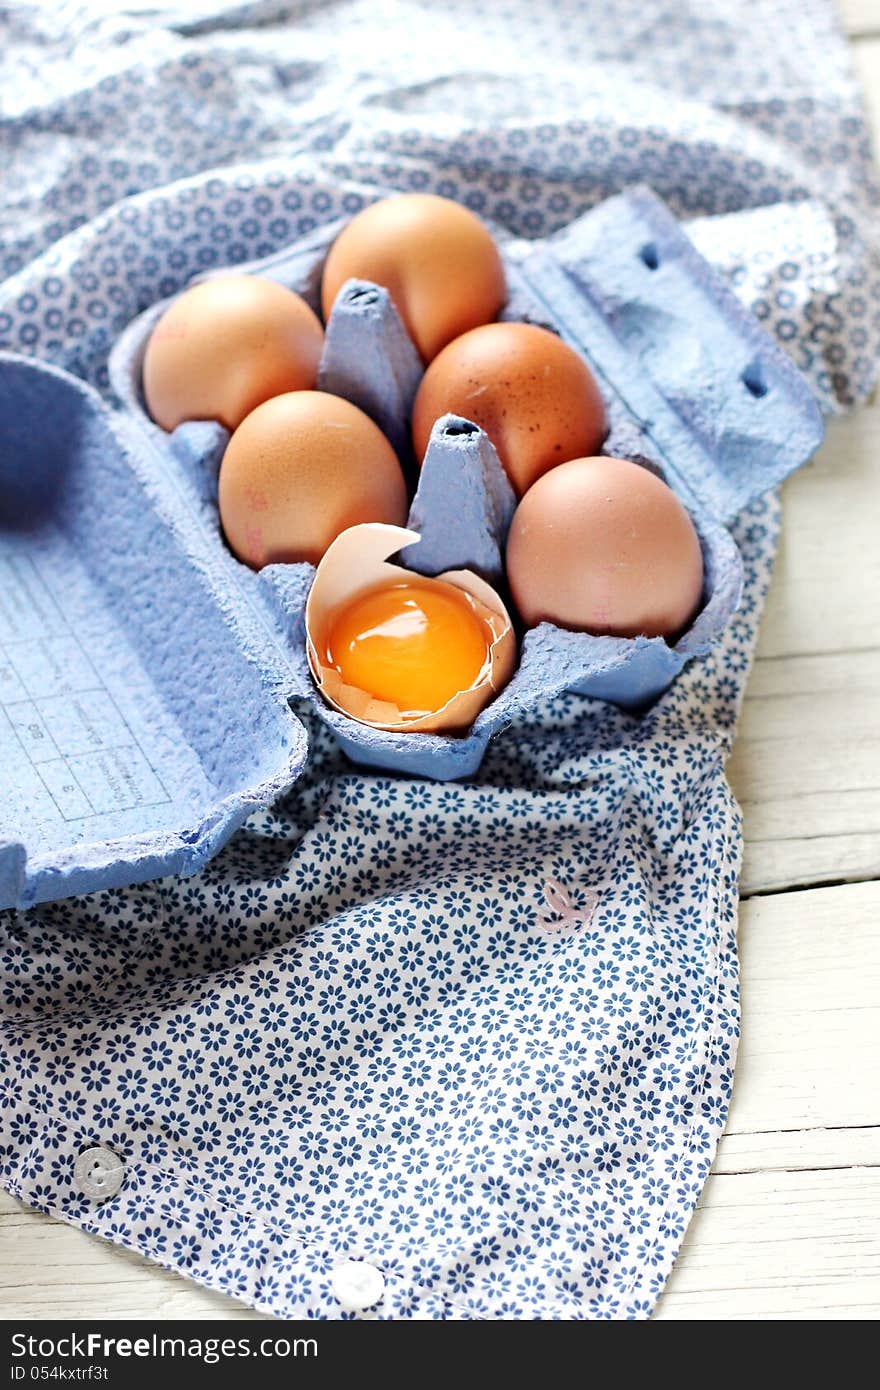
<point>789,1222</point>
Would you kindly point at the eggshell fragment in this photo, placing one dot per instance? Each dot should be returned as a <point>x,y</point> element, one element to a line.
<point>436,259</point>
<point>534,396</point>
<point>225,346</point>
<point>357,560</point>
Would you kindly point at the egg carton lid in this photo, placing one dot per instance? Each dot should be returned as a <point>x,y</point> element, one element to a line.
<point>626,285</point>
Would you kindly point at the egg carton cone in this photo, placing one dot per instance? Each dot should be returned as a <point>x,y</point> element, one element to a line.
<point>382,384</point>
<point>147,676</point>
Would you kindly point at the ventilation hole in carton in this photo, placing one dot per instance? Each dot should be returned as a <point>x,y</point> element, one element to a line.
<point>753,380</point>
<point>539,323</point>
<point>644,462</point>
<point>361,294</point>
<point>649,255</point>
<point>460,427</point>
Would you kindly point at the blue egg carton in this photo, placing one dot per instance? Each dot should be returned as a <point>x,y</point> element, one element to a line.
<point>146,676</point>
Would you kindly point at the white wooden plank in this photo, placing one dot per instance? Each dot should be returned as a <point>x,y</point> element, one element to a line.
<point>829,859</point>
<point>806,770</point>
<point>781,1245</point>
<point>859,17</point>
<point>810,1050</point>
<point>798,1150</point>
<point>824,594</point>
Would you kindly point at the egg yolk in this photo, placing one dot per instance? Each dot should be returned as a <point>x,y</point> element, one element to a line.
<point>413,644</point>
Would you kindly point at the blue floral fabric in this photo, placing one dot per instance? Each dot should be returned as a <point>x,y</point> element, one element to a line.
<point>357,1033</point>
<point>746,115</point>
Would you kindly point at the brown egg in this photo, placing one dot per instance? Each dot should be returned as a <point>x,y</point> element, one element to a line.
<point>532,394</point>
<point>227,345</point>
<point>602,545</point>
<point>436,260</point>
<point>300,469</point>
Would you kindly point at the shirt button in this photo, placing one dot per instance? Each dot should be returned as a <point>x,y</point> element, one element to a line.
<point>357,1285</point>
<point>98,1173</point>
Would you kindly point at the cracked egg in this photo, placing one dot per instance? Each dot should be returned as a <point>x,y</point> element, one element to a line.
<point>398,650</point>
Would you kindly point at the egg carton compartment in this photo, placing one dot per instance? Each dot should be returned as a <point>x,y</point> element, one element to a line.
<point>142,708</point>
<point>693,387</point>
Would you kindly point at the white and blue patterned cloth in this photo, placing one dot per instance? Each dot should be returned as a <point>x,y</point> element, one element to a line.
<point>355,1034</point>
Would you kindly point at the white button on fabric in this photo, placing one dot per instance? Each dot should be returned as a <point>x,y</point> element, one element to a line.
<point>357,1285</point>
<point>98,1173</point>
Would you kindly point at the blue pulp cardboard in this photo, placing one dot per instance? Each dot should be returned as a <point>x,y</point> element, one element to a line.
<point>142,708</point>
<point>463,506</point>
<point>121,591</point>
<point>383,384</point>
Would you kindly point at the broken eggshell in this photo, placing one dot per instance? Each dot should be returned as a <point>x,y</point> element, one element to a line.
<point>358,560</point>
